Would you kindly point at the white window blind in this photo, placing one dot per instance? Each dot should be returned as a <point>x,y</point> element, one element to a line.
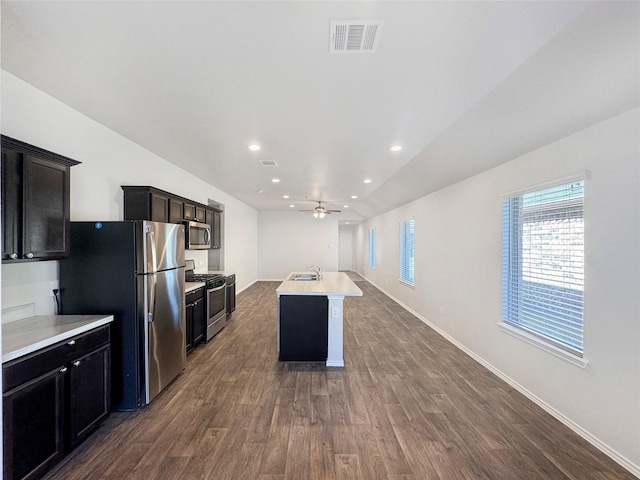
<point>406,251</point>
<point>543,264</point>
<point>372,247</point>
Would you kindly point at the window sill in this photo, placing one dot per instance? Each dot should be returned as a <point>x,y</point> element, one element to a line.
<point>406,284</point>
<point>542,345</point>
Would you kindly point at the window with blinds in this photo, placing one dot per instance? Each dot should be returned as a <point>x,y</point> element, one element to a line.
<point>543,264</point>
<point>406,252</point>
<point>372,247</point>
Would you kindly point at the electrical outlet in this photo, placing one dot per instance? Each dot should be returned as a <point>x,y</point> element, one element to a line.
<point>53,285</point>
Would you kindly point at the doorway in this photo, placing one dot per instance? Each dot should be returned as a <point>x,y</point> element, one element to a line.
<point>345,250</point>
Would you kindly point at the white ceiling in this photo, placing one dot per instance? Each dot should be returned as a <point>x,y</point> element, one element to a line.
<point>462,86</point>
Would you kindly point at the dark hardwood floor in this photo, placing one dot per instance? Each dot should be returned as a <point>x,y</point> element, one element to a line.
<point>407,405</point>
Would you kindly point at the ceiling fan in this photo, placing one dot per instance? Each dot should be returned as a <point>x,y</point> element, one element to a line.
<point>320,211</point>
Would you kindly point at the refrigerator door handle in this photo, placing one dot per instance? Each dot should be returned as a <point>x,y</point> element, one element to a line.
<point>154,253</point>
<point>153,280</point>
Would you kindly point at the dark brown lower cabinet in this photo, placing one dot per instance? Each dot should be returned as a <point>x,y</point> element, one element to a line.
<point>89,394</point>
<point>53,399</point>
<point>33,426</point>
<point>195,318</point>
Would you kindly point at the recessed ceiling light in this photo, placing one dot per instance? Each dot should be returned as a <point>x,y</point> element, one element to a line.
<point>260,191</point>
<point>347,223</point>
<point>254,147</point>
<point>367,180</point>
<point>292,206</point>
<point>354,197</point>
<point>396,148</point>
<point>345,206</point>
<point>275,180</point>
<point>285,196</point>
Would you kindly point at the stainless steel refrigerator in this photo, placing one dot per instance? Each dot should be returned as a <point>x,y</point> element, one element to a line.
<point>135,271</point>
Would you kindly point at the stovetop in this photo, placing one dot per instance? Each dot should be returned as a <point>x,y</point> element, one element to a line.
<point>211,279</point>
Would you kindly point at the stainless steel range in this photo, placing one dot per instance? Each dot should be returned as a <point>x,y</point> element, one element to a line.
<point>216,298</point>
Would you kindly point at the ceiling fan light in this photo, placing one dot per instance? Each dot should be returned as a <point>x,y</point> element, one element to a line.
<point>321,215</point>
<point>315,214</point>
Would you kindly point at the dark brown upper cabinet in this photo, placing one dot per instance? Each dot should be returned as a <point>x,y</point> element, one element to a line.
<point>189,211</point>
<point>214,219</point>
<point>150,203</point>
<point>145,203</point>
<point>216,227</point>
<point>36,202</point>
<point>175,210</point>
<point>193,212</point>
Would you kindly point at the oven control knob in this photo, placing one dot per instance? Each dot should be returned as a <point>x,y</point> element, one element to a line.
<point>13,256</point>
<point>29,255</point>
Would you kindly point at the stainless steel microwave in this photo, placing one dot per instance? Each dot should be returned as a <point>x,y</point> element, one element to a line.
<point>197,236</point>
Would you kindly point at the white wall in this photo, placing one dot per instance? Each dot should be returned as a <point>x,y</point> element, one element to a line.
<point>290,241</point>
<point>458,269</point>
<point>108,161</point>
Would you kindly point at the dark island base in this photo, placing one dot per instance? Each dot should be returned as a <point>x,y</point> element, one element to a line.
<point>303,328</point>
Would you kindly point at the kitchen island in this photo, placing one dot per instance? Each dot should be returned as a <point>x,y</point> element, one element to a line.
<point>310,311</point>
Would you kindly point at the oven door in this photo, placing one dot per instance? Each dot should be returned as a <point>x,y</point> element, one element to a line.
<point>197,236</point>
<point>216,310</point>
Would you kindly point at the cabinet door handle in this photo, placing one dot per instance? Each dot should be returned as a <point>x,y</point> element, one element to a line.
<point>29,255</point>
<point>76,363</point>
<point>63,369</point>
<point>71,343</point>
<point>13,256</point>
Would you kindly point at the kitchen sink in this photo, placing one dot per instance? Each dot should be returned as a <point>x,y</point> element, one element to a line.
<point>297,277</point>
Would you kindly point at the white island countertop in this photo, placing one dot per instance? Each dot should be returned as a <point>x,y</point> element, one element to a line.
<point>25,336</point>
<point>331,283</point>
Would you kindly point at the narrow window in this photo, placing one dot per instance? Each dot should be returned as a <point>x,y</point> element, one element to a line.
<point>543,264</point>
<point>406,252</point>
<point>372,247</point>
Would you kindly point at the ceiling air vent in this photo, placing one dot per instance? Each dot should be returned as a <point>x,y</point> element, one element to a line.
<point>268,163</point>
<point>354,36</point>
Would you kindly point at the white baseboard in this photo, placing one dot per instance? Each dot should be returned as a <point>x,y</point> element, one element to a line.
<point>246,286</point>
<point>593,440</point>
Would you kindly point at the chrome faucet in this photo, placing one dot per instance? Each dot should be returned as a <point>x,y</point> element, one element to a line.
<point>317,270</point>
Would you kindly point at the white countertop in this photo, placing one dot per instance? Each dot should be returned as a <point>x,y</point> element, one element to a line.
<point>331,283</point>
<point>191,286</point>
<point>33,333</point>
